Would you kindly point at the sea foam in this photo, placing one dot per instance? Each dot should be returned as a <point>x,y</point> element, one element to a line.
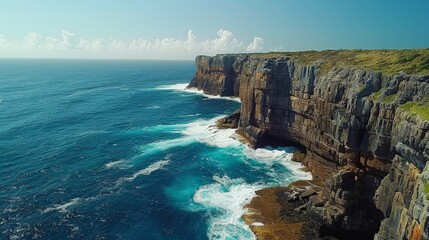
<point>150,169</point>
<point>203,131</point>
<point>162,146</point>
<point>63,207</point>
<point>115,164</point>
<point>181,87</point>
<point>281,155</point>
<point>227,198</point>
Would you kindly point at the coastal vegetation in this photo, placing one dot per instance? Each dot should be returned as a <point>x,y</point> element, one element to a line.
<point>390,98</point>
<point>391,62</point>
<point>410,61</point>
<point>426,190</point>
<point>377,94</point>
<point>420,109</point>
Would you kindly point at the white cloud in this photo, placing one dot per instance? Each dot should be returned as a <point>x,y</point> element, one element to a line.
<point>50,43</point>
<point>94,45</point>
<point>167,44</point>
<point>4,43</point>
<point>32,40</point>
<point>191,41</point>
<point>68,42</point>
<point>256,45</point>
<point>68,39</point>
<point>117,45</point>
<point>225,42</point>
<point>140,44</point>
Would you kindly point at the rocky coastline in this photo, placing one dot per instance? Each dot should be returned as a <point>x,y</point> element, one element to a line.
<point>364,135</point>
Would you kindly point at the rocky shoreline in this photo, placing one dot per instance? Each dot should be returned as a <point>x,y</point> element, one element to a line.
<point>365,135</point>
<point>281,212</point>
<point>286,212</point>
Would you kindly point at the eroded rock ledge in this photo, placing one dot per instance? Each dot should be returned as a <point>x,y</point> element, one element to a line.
<point>355,119</point>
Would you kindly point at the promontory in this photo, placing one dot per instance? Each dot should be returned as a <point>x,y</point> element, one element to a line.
<point>360,119</point>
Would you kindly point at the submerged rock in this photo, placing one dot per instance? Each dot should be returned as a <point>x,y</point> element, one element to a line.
<point>230,121</point>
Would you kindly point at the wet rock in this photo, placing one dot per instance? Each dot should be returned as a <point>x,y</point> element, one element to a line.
<point>230,121</point>
<point>307,193</point>
<point>350,117</point>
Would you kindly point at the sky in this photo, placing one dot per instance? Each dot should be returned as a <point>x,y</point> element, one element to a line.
<point>182,29</point>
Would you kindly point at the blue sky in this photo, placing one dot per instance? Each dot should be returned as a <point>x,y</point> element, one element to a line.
<point>182,29</point>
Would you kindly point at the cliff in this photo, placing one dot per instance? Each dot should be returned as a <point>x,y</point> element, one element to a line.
<point>345,108</point>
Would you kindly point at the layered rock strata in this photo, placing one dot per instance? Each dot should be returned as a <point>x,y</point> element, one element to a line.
<point>349,117</point>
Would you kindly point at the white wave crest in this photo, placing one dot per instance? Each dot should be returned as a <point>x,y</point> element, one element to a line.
<point>162,146</point>
<point>182,87</point>
<point>235,99</point>
<point>176,87</point>
<point>191,115</point>
<point>174,128</point>
<point>227,196</point>
<point>153,107</point>
<point>115,163</point>
<point>280,155</point>
<point>205,131</point>
<point>63,207</point>
<point>165,128</point>
<point>150,169</point>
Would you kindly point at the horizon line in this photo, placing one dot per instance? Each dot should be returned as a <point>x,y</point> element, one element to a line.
<point>214,54</point>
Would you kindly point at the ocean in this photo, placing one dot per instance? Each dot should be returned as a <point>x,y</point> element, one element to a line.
<point>119,149</point>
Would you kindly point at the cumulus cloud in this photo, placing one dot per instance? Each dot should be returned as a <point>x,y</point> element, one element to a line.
<point>32,40</point>
<point>117,45</point>
<point>223,42</point>
<point>4,43</point>
<point>68,39</point>
<point>93,45</point>
<point>140,45</point>
<point>256,45</point>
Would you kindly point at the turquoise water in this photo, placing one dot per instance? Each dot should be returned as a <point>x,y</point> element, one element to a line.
<point>104,149</point>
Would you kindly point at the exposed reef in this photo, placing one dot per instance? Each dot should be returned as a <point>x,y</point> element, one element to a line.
<point>370,124</point>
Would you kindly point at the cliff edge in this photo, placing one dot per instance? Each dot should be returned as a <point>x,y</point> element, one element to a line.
<point>366,112</point>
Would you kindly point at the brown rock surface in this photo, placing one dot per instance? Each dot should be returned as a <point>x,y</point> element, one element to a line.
<point>278,215</point>
<point>349,117</point>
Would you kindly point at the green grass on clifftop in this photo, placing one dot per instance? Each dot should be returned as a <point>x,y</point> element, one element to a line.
<point>420,109</point>
<point>390,98</point>
<point>411,61</point>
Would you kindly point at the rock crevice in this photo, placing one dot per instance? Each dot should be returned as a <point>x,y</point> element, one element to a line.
<point>347,116</point>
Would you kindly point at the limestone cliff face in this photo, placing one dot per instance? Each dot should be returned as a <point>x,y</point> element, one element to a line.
<point>347,116</point>
<point>404,201</point>
<point>219,75</point>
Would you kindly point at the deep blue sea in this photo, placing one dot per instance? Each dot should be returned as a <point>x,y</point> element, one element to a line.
<point>105,149</point>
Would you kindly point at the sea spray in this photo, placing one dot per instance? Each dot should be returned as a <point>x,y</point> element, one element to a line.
<point>113,152</point>
<point>225,197</point>
<point>148,170</point>
<point>182,87</point>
